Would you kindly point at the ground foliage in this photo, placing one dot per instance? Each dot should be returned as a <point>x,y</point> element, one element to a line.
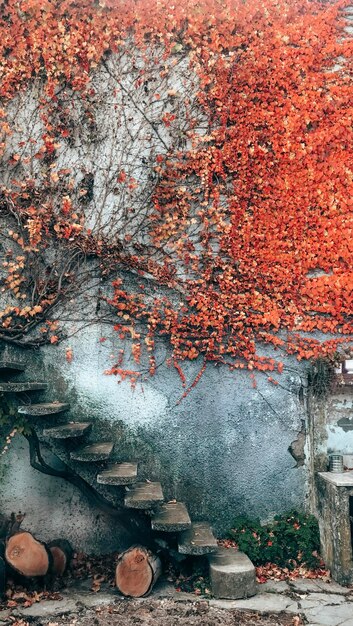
<point>292,540</point>
<point>226,191</point>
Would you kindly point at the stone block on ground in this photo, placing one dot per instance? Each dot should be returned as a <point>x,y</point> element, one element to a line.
<point>232,574</point>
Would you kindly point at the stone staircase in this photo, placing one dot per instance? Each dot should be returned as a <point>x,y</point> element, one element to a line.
<point>90,465</point>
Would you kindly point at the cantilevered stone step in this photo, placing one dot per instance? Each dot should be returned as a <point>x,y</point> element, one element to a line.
<point>118,474</point>
<point>198,539</point>
<point>15,366</point>
<point>20,387</point>
<point>93,452</point>
<point>68,431</point>
<point>171,517</point>
<point>144,496</point>
<point>43,408</point>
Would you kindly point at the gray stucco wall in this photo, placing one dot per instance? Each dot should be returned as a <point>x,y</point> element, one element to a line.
<point>53,508</point>
<point>223,449</point>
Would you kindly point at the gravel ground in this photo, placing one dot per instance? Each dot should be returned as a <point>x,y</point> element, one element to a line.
<point>165,613</point>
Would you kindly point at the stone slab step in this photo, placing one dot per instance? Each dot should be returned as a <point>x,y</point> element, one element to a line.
<point>43,408</point>
<point>171,517</point>
<point>144,496</point>
<point>21,387</point>
<point>15,366</point>
<point>68,431</point>
<point>93,452</point>
<point>118,474</point>
<point>232,574</point>
<point>199,539</point>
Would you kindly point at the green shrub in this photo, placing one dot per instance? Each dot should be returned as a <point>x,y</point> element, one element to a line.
<point>290,540</point>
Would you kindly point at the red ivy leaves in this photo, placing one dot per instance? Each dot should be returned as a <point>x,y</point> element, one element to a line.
<point>254,217</point>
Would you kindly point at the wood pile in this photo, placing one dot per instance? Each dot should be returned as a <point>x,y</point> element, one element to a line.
<point>23,556</point>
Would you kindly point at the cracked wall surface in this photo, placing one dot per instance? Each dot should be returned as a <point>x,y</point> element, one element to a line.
<point>224,449</point>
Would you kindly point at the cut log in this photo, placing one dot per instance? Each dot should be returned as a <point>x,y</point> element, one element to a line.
<point>137,571</point>
<point>62,552</point>
<point>26,555</point>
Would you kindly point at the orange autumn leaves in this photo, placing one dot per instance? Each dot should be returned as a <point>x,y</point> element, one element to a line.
<point>267,190</point>
<point>252,212</point>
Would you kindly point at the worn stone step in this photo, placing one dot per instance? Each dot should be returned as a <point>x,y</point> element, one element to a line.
<point>198,539</point>
<point>144,496</point>
<point>118,474</point>
<point>171,517</point>
<point>21,387</point>
<point>15,366</point>
<point>68,431</point>
<point>93,452</point>
<point>43,408</point>
<point>232,574</point>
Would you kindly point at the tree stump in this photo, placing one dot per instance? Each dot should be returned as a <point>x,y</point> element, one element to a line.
<point>137,571</point>
<point>61,551</point>
<point>26,555</point>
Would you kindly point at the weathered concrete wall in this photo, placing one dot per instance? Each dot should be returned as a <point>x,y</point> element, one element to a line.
<point>223,449</point>
<point>334,496</point>
<point>53,508</point>
<point>331,419</point>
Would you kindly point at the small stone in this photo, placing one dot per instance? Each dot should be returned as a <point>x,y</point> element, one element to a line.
<point>302,585</point>
<point>263,603</point>
<point>48,608</point>
<point>274,586</point>
<point>332,587</point>
<point>232,574</point>
<point>4,616</point>
<point>326,615</point>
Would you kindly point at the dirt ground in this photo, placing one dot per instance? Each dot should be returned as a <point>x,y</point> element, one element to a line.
<point>166,613</point>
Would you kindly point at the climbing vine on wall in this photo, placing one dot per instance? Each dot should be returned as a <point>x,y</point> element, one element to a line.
<point>196,158</point>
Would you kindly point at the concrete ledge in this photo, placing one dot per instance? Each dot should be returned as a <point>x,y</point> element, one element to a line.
<point>340,479</point>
